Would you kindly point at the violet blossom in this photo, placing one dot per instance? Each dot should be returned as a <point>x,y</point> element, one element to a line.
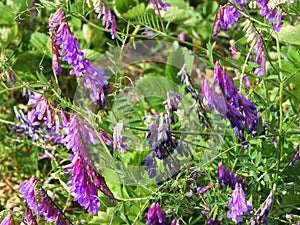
<point>8,220</point>
<point>108,20</point>
<point>37,200</point>
<point>226,16</point>
<point>158,5</point>
<point>71,52</point>
<point>118,139</point>
<point>84,180</point>
<point>228,177</point>
<point>296,157</point>
<point>204,189</point>
<point>238,109</point>
<point>262,213</point>
<point>238,204</point>
<point>172,104</point>
<point>155,215</point>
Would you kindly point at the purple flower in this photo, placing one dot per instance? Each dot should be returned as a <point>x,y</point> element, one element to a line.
<point>84,180</point>
<point>150,164</point>
<point>226,16</point>
<point>204,189</point>
<point>118,139</point>
<point>213,221</point>
<point>191,194</point>
<point>36,199</point>
<point>105,138</point>
<point>155,215</point>
<point>175,222</point>
<point>71,52</point>
<point>296,157</point>
<point>108,20</point>
<point>28,191</point>
<point>207,97</point>
<point>238,204</point>
<point>159,136</point>
<point>49,210</point>
<point>172,104</point>
<point>228,177</point>
<point>8,220</point>
<point>263,211</point>
<point>28,215</point>
<point>157,4</point>
<point>277,26</point>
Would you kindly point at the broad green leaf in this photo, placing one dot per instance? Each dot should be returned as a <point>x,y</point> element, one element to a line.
<point>41,42</point>
<point>290,34</point>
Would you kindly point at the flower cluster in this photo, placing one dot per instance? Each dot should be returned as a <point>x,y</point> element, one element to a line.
<point>155,215</point>
<point>229,14</point>
<point>157,4</point>
<point>108,20</point>
<point>70,51</point>
<point>84,180</point>
<point>39,202</point>
<point>228,177</point>
<point>238,109</point>
<point>238,204</point>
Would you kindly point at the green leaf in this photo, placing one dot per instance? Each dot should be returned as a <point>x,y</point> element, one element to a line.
<point>40,42</point>
<point>122,6</point>
<point>290,34</point>
<point>7,35</point>
<point>135,11</point>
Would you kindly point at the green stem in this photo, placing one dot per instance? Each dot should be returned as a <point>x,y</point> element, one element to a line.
<point>280,131</point>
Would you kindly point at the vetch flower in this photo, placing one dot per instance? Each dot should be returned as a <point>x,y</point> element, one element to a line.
<point>227,15</point>
<point>228,177</point>
<point>158,5</point>
<point>172,104</point>
<point>84,180</point>
<point>155,215</point>
<point>175,222</point>
<point>262,213</point>
<point>204,189</point>
<point>28,215</point>
<point>238,204</point>
<point>36,199</point>
<point>28,191</point>
<point>71,52</point>
<point>277,25</point>
<point>118,139</point>
<point>108,20</point>
<point>8,220</point>
<point>296,157</point>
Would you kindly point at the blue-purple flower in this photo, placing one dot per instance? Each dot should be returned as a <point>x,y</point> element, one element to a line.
<point>8,220</point>
<point>158,5</point>
<point>118,138</point>
<point>37,200</point>
<point>108,20</point>
<point>201,190</point>
<point>70,51</point>
<point>262,213</point>
<point>228,177</point>
<point>84,180</point>
<point>238,204</point>
<point>172,104</point>
<point>155,215</point>
<point>296,157</point>
<point>226,16</point>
